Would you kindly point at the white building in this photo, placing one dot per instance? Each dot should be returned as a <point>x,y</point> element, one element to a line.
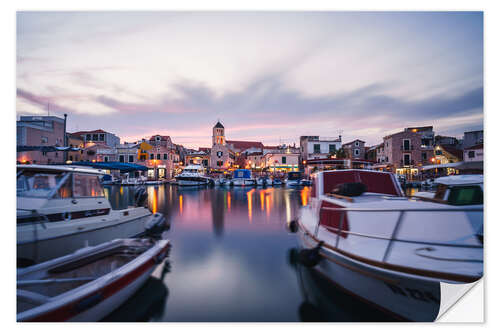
<point>316,147</point>
<point>474,153</point>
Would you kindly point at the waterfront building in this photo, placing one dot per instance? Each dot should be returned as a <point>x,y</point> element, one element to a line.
<point>99,153</point>
<point>198,157</point>
<point>75,141</point>
<point>281,162</point>
<point>472,138</point>
<point>444,154</point>
<point>474,153</point>
<point>98,136</point>
<point>446,140</point>
<point>316,147</point>
<point>127,152</point>
<point>355,149</point>
<point>40,131</point>
<point>407,151</point>
<point>157,154</point>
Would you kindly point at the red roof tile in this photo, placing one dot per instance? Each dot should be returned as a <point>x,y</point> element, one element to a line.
<point>245,144</point>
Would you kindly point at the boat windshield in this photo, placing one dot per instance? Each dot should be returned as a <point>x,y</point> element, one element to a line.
<point>37,184</point>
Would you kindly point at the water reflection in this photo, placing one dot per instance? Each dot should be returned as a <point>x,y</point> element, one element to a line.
<point>228,246</point>
<point>323,301</point>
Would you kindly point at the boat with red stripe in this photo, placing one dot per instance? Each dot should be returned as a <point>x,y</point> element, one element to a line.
<point>361,232</point>
<point>89,284</point>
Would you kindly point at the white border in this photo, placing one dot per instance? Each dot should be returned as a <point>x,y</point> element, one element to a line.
<point>492,108</point>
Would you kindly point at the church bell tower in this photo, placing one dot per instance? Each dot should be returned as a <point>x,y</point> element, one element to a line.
<point>218,137</point>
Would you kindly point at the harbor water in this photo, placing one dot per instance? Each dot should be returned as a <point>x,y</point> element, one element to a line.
<point>232,260</point>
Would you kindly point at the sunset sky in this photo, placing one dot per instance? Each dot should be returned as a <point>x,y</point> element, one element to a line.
<point>268,76</point>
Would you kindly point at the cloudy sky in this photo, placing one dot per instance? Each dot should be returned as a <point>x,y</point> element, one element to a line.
<point>268,76</point>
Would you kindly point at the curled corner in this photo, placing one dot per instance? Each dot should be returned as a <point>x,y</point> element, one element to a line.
<point>451,294</point>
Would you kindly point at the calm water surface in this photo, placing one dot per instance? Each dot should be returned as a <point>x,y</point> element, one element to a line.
<point>230,261</point>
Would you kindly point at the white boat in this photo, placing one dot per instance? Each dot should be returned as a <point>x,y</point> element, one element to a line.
<point>61,209</point>
<point>134,181</point>
<point>305,182</point>
<point>390,250</point>
<point>277,182</point>
<point>192,175</point>
<point>264,181</point>
<point>88,284</point>
<point>293,179</point>
<point>243,177</point>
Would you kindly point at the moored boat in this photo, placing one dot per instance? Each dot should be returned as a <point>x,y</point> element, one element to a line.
<point>293,178</point>
<point>61,209</point>
<point>243,177</point>
<point>366,237</point>
<point>264,181</point>
<point>192,175</point>
<point>88,284</point>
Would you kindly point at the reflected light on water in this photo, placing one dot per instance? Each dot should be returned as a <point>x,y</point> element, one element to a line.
<point>249,199</point>
<point>288,208</point>
<point>228,201</point>
<point>153,194</point>
<point>180,204</point>
<point>304,196</point>
<point>262,200</point>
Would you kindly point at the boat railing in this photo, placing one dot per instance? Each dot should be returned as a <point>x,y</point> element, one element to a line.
<point>397,227</point>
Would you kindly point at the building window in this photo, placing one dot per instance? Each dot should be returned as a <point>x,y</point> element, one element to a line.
<point>101,137</point>
<point>165,156</point>
<point>424,157</point>
<point>406,159</point>
<point>95,137</point>
<point>152,156</point>
<point>332,148</point>
<point>406,144</point>
<point>131,158</point>
<point>106,159</point>
<point>44,139</point>
<point>122,158</point>
<point>472,154</point>
<point>283,159</point>
<point>356,152</point>
<point>88,137</point>
<point>356,143</point>
<point>158,156</point>
<point>317,149</point>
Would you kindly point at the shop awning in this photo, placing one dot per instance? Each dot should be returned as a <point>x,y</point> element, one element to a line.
<point>47,149</point>
<point>123,167</point>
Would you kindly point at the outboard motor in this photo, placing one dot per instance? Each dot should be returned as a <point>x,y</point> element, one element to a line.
<point>156,225</point>
<point>140,196</point>
<point>350,189</point>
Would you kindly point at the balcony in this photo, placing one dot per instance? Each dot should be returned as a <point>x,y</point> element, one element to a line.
<point>407,148</point>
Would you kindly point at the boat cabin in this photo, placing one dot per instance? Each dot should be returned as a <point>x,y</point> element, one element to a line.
<point>460,190</point>
<point>375,181</point>
<point>242,173</point>
<point>294,175</point>
<point>59,192</point>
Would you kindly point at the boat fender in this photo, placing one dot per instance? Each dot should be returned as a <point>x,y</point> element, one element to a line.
<point>310,257</point>
<point>156,224</point>
<point>140,196</point>
<point>293,226</point>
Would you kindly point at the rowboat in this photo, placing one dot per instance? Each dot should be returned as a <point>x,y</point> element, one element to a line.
<point>88,284</point>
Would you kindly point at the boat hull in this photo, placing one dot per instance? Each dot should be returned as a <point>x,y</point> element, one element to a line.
<point>243,182</point>
<point>55,246</point>
<point>403,296</point>
<point>185,182</point>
